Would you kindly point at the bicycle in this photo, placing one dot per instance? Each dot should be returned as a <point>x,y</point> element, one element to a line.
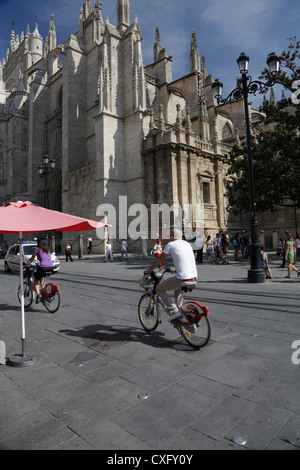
<point>195,328</point>
<point>50,292</point>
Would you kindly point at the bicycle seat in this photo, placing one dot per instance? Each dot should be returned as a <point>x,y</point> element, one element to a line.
<point>187,288</point>
<point>48,273</point>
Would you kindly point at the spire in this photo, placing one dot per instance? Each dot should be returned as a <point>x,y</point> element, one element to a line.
<point>123,7</point>
<point>51,38</point>
<point>12,40</point>
<point>204,69</point>
<point>36,32</point>
<point>272,97</point>
<point>98,10</point>
<point>157,45</point>
<point>87,8</point>
<point>194,55</point>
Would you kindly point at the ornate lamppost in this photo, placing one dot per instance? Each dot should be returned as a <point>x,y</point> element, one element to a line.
<point>245,86</point>
<point>44,171</point>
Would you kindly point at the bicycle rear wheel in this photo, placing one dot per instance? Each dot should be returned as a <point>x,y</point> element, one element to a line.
<point>28,294</point>
<point>196,335</point>
<point>52,303</point>
<point>148,312</point>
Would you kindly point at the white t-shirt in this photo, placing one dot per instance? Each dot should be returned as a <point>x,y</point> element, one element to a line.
<point>183,258</point>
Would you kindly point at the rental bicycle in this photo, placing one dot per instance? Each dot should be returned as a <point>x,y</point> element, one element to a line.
<point>194,327</point>
<point>50,292</point>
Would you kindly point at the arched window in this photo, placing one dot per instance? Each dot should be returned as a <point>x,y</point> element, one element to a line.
<point>227,132</point>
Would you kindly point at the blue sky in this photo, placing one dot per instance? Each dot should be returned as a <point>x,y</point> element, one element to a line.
<point>224,29</point>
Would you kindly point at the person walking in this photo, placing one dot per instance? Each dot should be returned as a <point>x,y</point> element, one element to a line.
<point>225,243</point>
<point>124,248</point>
<point>68,251</point>
<point>284,249</point>
<point>109,251</point>
<point>236,243</point>
<point>290,255</point>
<point>199,248</point>
<point>157,250</point>
<point>216,245</point>
<point>209,249</point>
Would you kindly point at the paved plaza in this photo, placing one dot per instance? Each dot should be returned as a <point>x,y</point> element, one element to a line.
<point>103,383</point>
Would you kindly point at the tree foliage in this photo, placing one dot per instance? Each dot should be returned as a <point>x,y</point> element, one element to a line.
<point>276,150</point>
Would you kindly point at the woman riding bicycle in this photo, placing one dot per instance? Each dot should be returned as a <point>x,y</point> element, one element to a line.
<point>43,254</point>
<point>185,269</point>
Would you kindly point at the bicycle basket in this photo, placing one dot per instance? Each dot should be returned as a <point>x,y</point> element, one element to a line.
<point>49,290</point>
<point>28,271</point>
<point>194,311</point>
<point>146,282</point>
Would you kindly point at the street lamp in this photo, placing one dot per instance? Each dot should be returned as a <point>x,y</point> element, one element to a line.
<point>245,86</point>
<point>44,170</point>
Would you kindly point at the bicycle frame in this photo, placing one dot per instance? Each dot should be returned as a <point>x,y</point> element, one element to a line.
<point>50,297</point>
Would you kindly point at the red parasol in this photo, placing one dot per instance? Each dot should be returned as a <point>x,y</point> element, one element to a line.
<point>25,217</point>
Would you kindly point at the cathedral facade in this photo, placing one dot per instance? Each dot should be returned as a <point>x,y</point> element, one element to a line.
<point>115,127</point>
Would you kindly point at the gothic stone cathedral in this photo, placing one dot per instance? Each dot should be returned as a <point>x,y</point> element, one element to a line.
<point>115,126</point>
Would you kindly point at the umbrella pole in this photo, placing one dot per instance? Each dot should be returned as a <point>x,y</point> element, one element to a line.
<point>24,359</point>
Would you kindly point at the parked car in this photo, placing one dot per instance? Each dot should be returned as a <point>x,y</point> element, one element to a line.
<point>12,257</point>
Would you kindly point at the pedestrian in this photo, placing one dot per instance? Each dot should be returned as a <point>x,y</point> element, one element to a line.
<point>265,263</point>
<point>199,248</point>
<point>245,244</point>
<point>124,248</point>
<point>236,243</point>
<point>290,255</point>
<point>209,249</point>
<point>279,248</point>
<point>283,249</point>
<point>157,250</point>
<point>224,243</point>
<point>216,245</point>
<point>68,251</point>
<point>109,251</point>
<point>90,245</point>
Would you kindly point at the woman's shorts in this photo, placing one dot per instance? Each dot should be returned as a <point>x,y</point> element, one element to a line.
<point>41,272</point>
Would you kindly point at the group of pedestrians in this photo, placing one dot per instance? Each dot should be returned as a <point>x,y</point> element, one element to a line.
<point>109,251</point>
<point>217,248</point>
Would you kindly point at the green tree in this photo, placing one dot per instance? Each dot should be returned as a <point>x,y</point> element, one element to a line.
<point>276,150</point>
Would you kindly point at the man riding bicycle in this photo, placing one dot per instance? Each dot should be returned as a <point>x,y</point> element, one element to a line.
<point>183,258</point>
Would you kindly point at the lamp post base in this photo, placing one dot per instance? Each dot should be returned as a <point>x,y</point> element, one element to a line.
<point>256,276</point>
<point>23,361</point>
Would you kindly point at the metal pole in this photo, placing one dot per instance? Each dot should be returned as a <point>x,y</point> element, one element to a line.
<point>255,274</point>
<point>46,187</point>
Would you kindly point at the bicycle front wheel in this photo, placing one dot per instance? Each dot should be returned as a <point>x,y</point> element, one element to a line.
<point>148,312</point>
<point>28,294</point>
<point>52,303</point>
<point>197,335</point>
